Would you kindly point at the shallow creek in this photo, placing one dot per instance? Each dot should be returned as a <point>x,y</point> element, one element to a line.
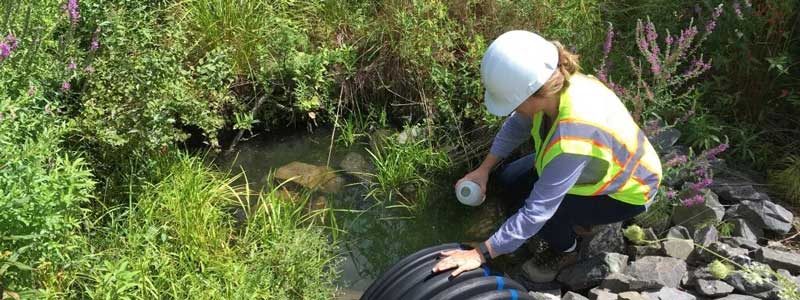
<point>376,235</point>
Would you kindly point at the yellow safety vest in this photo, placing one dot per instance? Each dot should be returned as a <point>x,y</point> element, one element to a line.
<point>592,121</point>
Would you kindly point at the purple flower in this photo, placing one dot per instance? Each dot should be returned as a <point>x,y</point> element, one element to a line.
<point>609,40</point>
<point>692,201</point>
<point>712,23</point>
<point>712,153</point>
<point>95,40</point>
<point>65,86</point>
<point>71,66</point>
<point>5,51</point>
<point>677,160</point>
<point>11,40</point>
<point>671,194</point>
<point>72,10</point>
<point>701,184</point>
<point>737,8</point>
<point>669,40</point>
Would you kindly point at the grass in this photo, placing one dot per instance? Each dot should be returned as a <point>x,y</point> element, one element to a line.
<point>786,181</point>
<point>178,240</point>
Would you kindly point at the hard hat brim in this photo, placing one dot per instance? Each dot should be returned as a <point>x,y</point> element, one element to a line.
<point>498,108</point>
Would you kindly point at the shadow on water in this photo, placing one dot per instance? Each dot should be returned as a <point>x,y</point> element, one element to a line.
<point>376,235</point>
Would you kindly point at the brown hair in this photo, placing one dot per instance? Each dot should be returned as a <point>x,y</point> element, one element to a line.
<point>567,65</point>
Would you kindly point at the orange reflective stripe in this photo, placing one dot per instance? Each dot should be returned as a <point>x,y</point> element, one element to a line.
<point>622,177</point>
<point>583,139</point>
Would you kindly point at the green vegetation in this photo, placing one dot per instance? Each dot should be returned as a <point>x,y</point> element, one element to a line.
<point>100,99</point>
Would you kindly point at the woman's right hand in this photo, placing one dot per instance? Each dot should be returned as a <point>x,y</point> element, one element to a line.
<point>479,176</point>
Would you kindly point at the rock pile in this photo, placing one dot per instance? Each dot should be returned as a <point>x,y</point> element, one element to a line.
<point>674,265</point>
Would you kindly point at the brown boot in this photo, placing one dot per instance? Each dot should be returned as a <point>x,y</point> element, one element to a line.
<point>545,269</point>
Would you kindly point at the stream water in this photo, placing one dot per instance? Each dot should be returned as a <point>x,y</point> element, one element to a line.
<point>375,235</point>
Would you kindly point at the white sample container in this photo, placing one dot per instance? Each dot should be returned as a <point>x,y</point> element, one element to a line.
<point>469,193</point>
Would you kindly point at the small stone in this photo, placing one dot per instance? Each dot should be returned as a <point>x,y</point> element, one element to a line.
<point>649,234</point>
<point>666,271</point>
<point>543,296</point>
<point>706,236</point>
<point>722,249</point>
<point>573,296</point>
<point>713,288</point>
<point>606,238</point>
<point>679,232</point>
<point>779,259</point>
<point>667,293</point>
<point>311,176</point>
<point>601,294</point>
<point>764,214</point>
<point>619,282</point>
<point>631,296</point>
<point>589,273</point>
<point>697,274</point>
<point>738,297</point>
<point>637,251</point>
<point>710,211</point>
<point>745,230</point>
<point>678,248</point>
<point>665,139</point>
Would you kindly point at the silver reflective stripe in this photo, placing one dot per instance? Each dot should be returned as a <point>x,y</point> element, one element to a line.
<point>649,178</point>
<point>619,181</point>
<point>566,130</point>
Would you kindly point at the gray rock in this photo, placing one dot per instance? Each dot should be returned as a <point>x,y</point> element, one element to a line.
<point>589,273</point>
<point>778,259</point>
<point>649,234</point>
<point>705,236</point>
<point>722,249</point>
<point>573,296</point>
<point>665,139</point>
<point>619,282</point>
<point>741,284</point>
<point>637,251</point>
<point>679,232</point>
<point>665,271</point>
<point>667,293</point>
<point>678,248</point>
<point>311,176</point>
<point>739,242</point>
<point>713,288</point>
<point>744,229</point>
<point>733,191</point>
<point>543,296</point>
<point>764,214</point>
<point>606,238</point>
<point>602,294</point>
<point>738,297</point>
<point>631,296</point>
<point>696,275</point>
<point>710,211</point>
<point>355,164</point>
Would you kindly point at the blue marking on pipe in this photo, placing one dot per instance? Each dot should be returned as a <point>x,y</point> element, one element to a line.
<point>500,282</point>
<point>485,271</point>
<point>514,295</point>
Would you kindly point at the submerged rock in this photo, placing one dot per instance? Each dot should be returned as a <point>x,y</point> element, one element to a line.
<point>311,176</point>
<point>665,271</point>
<point>355,164</point>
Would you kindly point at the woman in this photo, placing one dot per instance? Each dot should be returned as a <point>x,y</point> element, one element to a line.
<point>594,165</point>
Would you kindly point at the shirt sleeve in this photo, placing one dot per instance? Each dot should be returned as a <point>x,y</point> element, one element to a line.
<point>515,131</point>
<point>557,178</point>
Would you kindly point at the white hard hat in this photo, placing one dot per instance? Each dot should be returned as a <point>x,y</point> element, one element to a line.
<point>514,67</point>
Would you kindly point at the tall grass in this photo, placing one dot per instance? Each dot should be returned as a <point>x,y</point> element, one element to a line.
<point>178,240</point>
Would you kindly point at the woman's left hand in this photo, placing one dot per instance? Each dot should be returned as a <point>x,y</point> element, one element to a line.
<point>462,260</point>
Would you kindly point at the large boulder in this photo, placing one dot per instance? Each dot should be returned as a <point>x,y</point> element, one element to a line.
<point>589,273</point>
<point>733,191</point>
<point>664,271</point>
<point>605,238</point>
<point>778,259</point>
<point>764,214</point>
<point>713,288</point>
<point>311,176</point>
<point>710,211</point>
<point>668,293</point>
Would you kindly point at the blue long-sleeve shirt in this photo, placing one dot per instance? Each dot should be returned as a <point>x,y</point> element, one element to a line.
<point>556,179</point>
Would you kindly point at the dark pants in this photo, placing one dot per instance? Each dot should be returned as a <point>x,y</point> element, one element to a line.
<point>516,179</point>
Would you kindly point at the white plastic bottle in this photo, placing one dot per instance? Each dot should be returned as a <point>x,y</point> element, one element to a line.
<point>469,193</point>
